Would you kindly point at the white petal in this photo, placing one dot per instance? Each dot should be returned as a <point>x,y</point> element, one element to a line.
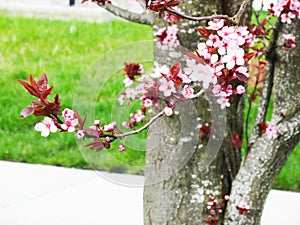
<point>40,126</point>
<point>53,128</point>
<point>45,133</point>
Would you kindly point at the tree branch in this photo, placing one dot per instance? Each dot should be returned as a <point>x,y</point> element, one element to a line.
<point>152,120</point>
<point>143,18</point>
<point>235,19</point>
<point>238,15</point>
<point>202,18</point>
<point>268,84</point>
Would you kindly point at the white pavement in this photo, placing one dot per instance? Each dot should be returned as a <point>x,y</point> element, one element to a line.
<point>48,195</point>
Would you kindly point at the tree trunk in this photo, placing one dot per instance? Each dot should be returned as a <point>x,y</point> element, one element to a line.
<point>180,177</point>
<point>267,156</point>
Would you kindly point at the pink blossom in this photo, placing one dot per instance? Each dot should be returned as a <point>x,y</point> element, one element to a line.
<point>110,127</point>
<point>223,100</point>
<point>137,117</point>
<point>217,89</point>
<point>235,56</point>
<point>202,50</point>
<point>80,134</point>
<point>286,17</point>
<point>127,81</point>
<point>107,139</point>
<point>121,99</point>
<point>187,92</point>
<point>271,130</point>
<point>45,127</point>
<point>121,148</point>
<point>227,33</point>
<point>213,41</point>
<point>214,58</point>
<point>243,208</point>
<point>215,25</point>
<point>201,73</point>
<point>69,125</point>
<point>159,70</point>
<point>68,114</point>
<point>167,87</point>
<point>96,122</point>
<point>168,111</point>
<point>147,102</point>
<point>290,41</point>
<point>217,69</point>
<point>168,36</point>
<point>130,93</point>
<point>242,70</point>
<point>240,89</point>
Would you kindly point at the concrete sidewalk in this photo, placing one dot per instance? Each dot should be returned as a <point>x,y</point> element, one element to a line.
<point>48,195</point>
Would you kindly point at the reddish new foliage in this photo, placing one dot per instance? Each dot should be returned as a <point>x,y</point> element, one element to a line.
<point>133,69</point>
<point>161,5</point>
<point>204,131</point>
<point>42,106</point>
<point>235,141</point>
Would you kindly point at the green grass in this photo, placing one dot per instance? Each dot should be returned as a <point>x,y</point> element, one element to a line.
<point>34,46</point>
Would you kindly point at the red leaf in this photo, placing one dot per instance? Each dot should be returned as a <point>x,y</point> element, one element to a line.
<point>204,32</point>
<point>43,82</point>
<point>27,111</point>
<point>242,77</point>
<point>262,126</point>
<point>249,56</point>
<point>172,3</point>
<point>29,88</point>
<point>175,69</point>
<point>195,57</point>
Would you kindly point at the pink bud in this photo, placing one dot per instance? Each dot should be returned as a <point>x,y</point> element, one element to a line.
<point>97,122</point>
<point>107,139</point>
<point>240,89</point>
<point>168,111</point>
<point>121,148</point>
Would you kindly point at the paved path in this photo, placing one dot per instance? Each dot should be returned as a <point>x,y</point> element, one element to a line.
<point>48,195</point>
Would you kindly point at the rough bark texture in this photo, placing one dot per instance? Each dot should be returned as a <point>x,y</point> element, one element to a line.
<point>267,156</point>
<point>178,178</point>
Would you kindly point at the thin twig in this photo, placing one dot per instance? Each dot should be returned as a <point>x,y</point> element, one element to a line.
<point>242,9</point>
<point>152,120</point>
<point>202,18</point>
<point>235,19</point>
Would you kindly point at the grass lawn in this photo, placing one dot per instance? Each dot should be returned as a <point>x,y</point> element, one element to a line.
<point>64,51</point>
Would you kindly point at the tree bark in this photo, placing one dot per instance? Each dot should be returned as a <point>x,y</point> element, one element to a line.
<point>179,177</point>
<point>267,156</point>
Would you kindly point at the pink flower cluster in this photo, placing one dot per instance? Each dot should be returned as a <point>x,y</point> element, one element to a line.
<point>286,10</point>
<point>45,127</point>
<point>168,36</point>
<point>224,52</point>
<point>70,121</point>
<point>289,41</point>
<point>243,208</point>
<point>169,84</point>
<point>215,207</point>
<point>271,130</point>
